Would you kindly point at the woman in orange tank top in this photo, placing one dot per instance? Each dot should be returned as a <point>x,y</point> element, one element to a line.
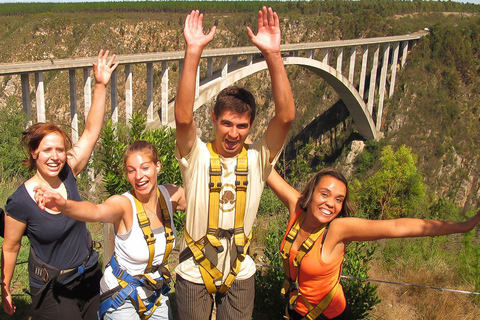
<point>325,197</point>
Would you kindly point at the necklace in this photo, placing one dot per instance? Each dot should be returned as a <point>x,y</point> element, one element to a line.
<point>156,205</point>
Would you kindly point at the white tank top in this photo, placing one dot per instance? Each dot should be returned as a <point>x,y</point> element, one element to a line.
<point>131,249</point>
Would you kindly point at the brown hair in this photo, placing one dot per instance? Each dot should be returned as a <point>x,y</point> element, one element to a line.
<point>32,137</point>
<point>307,194</point>
<point>144,147</point>
<point>236,99</point>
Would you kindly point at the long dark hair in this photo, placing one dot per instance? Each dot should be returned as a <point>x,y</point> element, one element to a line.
<point>307,194</point>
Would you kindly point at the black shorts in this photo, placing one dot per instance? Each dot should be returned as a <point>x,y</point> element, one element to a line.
<point>77,300</point>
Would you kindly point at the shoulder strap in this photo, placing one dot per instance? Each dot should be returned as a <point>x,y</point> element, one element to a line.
<point>215,187</point>
<point>144,223</point>
<point>167,223</point>
<point>241,172</point>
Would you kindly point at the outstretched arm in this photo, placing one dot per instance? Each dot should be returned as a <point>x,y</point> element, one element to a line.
<point>111,211</point>
<point>284,191</point>
<point>355,229</point>
<point>196,40</point>
<point>268,41</point>
<point>81,151</point>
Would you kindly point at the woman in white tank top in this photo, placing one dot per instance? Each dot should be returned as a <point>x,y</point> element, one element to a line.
<point>131,249</point>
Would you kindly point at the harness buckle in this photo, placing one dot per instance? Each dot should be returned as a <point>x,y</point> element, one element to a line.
<point>45,276</point>
<point>240,172</point>
<point>294,286</point>
<point>81,269</point>
<point>215,172</point>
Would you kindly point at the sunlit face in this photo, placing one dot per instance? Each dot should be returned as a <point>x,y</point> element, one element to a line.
<point>231,130</point>
<point>327,200</point>
<point>142,172</point>
<point>50,156</point>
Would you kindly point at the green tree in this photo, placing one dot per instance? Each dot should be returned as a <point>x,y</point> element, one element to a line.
<point>396,189</point>
<point>12,123</point>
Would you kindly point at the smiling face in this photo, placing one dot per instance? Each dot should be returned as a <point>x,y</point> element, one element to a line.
<point>142,172</point>
<point>231,130</point>
<point>50,156</point>
<point>327,200</point>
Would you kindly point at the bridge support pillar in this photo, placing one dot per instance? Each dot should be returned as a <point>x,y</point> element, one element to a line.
<point>87,91</point>
<point>128,93</point>
<point>383,81</point>
<point>164,103</point>
<point>393,69</point>
<point>373,80</point>
<point>339,60</point>
<point>149,92</point>
<point>324,55</point>
<point>351,69</point>
<point>40,97</point>
<point>27,103</point>
<point>113,97</point>
<point>73,105</point>
<point>404,52</point>
<point>363,72</point>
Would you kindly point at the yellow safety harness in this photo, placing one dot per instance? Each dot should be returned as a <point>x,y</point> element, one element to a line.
<point>208,270</point>
<point>291,285</point>
<point>128,284</point>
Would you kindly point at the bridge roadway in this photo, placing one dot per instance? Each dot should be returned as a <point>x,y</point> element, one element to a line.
<point>155,57</point>
<point>361,108</point>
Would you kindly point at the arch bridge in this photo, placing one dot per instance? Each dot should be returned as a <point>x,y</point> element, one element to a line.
<point>334,61</point>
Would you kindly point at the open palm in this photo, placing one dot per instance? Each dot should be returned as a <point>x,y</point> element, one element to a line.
<point>193,31</point>
<point>268,37</point>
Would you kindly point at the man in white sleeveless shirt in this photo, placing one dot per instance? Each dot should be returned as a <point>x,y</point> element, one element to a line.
<point>232,117</point>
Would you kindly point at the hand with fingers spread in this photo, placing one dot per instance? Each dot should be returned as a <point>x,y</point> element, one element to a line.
<point>268,37</point>
<point>193,31</point>
<point>103,69</point>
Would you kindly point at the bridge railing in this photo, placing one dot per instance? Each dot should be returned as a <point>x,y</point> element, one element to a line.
<point>227,60</point>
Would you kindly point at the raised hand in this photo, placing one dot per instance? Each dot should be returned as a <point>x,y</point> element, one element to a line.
<point>269,36</point>
<point>103,69</point>
<point>47,198</point>
<point>193,31</point>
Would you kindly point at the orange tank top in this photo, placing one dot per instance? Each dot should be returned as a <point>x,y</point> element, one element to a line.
<point>316,278</point>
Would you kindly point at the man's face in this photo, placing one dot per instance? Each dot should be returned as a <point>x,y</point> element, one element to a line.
<point>231,129</point>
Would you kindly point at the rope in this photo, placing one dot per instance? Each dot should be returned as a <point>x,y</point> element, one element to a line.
<point>385,281</point>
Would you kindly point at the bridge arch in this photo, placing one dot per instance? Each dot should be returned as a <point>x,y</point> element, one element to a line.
<point>356,106</point>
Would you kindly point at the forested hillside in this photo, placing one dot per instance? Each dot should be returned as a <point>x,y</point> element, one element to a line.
<point>431,125</point>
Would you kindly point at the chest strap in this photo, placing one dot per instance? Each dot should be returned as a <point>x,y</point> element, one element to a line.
<point>291,283</point>
<point>128,284</point>
<point>144,223</point>
<point>208,270</point>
